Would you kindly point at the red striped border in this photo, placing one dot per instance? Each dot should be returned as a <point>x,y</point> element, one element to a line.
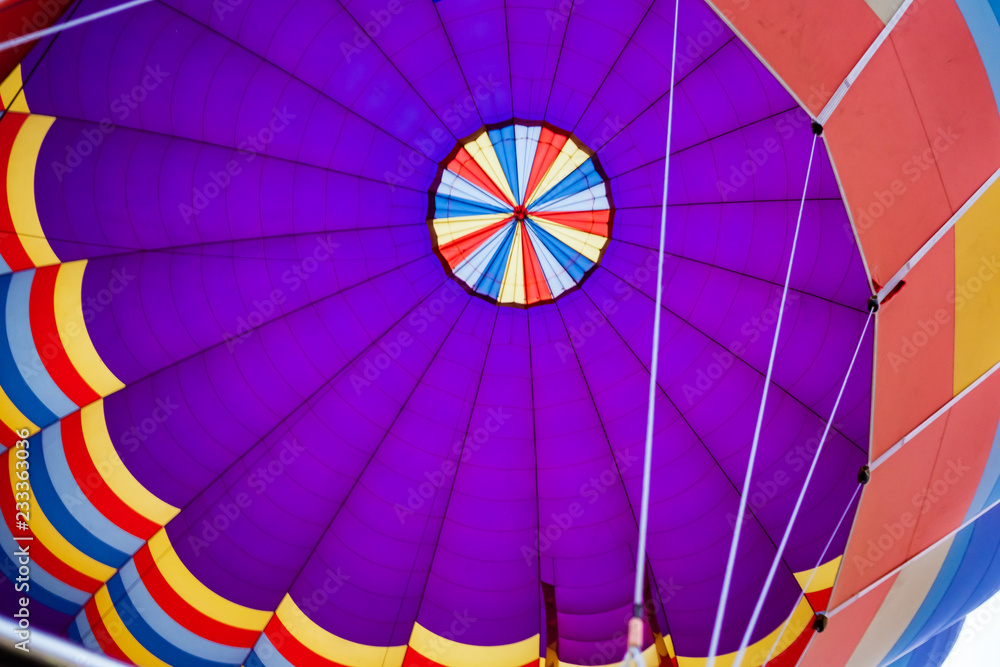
<point>48,343</point>
<point>183,612</point>
<point>93,485</point>
<point>10,245</point>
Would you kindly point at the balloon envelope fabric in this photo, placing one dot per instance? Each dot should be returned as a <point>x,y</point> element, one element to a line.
<point>331,326</point>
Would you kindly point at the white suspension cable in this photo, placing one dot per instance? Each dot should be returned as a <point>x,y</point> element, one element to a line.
<point>51,30</point>
<point>812,576</point>
<point>633,655</point>
<point>741,513</point>
<point>751,626</point>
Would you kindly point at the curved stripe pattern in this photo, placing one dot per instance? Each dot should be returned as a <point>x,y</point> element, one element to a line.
<point>270,427</point>
<point>520,214</point>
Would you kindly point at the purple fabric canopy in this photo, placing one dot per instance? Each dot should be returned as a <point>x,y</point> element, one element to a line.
<point>262,183</point>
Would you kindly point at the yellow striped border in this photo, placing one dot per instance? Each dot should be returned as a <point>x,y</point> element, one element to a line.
<point>331,647</point>
<point>449,229</point>
<point>118,632</point>
<point>68,305</point>
<point>21,189</point>
<point>570,157</point>
<point>650,658</point>
<point>50,537</point>
<point>826,575</point>
<point>113,470</point>
<point>977,289</point>
<point>9,92</point>
<point>450,653</point>
<point>12,417</point>
<point>198,594</point>
<point>755,654</point>
<point>485,155</point>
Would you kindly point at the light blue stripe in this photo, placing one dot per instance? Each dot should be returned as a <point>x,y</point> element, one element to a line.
<point>162,624</point>
<point>939,589</point>
<point>454,207</point>
<point>453,185</point>
<point>572,261</point>
<point>162,648</point>
<point>556,277</point>
<point>78,505</point>
<point>471,269</point>
<point>18,391</point>
<point>86,637</point>
<point>40,577</point>
<point>592,199</point>
<point>64,522</point>
<point>969,576</point>
<point>583,178</point>
<point>527,146</point>
<point>985,28</point>
<point>23,346</point>
<point>933,652</point>
<point>492,279</point>
<point>43,586</point>
<point>268,656</point>
<point>988,482</point>
<point>503,144</point>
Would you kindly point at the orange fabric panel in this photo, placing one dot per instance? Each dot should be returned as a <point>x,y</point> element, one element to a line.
<point>896,199</point>
<point>834,646</point>
<point>919,495</point>
<point>972,423</point>
<point>790,656</point>
<point>811,44</point>
<point>915,359</point>
<point>888,514</point>
<point>915,136</point>
<point>949,84</point>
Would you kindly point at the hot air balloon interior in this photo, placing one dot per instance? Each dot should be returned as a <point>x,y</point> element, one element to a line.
<point>458,333</point>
